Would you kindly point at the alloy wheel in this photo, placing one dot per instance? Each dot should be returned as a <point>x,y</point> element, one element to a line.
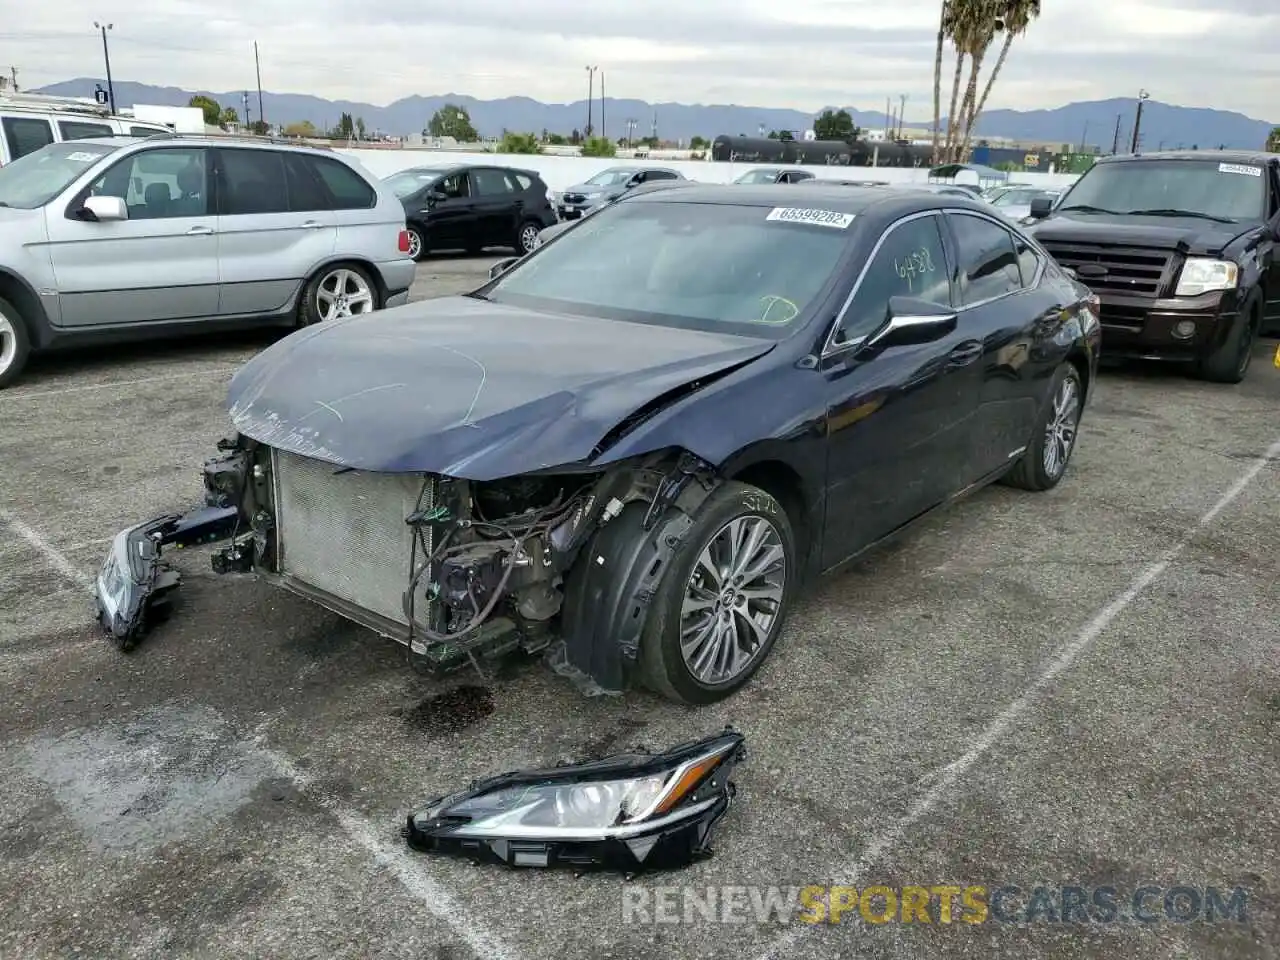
<point>1060,433</point>
<point>732,600</point>
<point>529,238</point>
<point>8,343</point>
<point>415,244</point>
<point>343,293</point>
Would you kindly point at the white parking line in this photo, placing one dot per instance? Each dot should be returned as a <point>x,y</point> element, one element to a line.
<point>54,557</point>
<point>395,858</point>
<point>398,860</point>
<point>948,776</point>
<point>86,387</point>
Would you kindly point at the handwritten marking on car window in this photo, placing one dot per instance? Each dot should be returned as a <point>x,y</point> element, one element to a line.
<point>915,264</point>
<point>777,310</point>
<point>1240,168</point>
<point>818,218</point>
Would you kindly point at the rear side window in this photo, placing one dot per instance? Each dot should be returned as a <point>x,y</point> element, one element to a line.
<point>78,130</point>
<point>145,131</point>
<point>490,183</point>
<point>306,190</point>
<point>988,262</point>
<point>253,182</point>
<point>347,188</point>
<point>26,135</point>
<point>1028,260</point>
<point>525,182</point>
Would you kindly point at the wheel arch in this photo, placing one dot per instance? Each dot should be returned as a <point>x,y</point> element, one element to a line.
<point>329,263</point>
<point>31,312</point>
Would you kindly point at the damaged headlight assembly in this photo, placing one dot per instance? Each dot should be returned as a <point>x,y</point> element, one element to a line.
<point>631,812</point>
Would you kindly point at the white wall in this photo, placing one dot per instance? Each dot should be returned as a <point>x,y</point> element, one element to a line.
<point>561,172</point>
<point>183,119</point>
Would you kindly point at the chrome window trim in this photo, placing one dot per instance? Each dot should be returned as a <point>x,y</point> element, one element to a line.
<point>1035,280</point>
<point>828,349</point>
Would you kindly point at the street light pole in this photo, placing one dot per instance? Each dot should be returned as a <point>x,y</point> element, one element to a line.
<point>1143,96</point>
<point>106,56</point>
<point>591,95</point>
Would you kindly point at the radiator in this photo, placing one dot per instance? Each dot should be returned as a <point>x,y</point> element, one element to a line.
<point>344,533</point>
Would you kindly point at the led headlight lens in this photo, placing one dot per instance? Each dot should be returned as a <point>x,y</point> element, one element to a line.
<point>1202,274</point>
<point>116,576</point>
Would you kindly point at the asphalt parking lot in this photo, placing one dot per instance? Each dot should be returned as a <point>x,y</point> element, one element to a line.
<point>1076,688</point>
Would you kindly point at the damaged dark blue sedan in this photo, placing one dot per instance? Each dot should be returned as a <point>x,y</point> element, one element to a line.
<point>630,449</point>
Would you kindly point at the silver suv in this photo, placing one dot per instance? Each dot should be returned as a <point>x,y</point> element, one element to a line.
<point>110,239</point>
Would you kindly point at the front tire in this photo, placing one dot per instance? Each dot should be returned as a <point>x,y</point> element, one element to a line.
<point>338,291</point>
<point>1230,362</point>
<point>1044,463</point>
<point>527,239</point>
<point>417,244</point>
<point>722,604</point>
<point>15,345</point>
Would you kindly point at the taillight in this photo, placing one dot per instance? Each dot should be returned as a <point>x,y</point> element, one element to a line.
<point>404,241</point>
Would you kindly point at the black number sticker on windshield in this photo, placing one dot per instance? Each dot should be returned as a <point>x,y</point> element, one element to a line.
<point>915,264</point>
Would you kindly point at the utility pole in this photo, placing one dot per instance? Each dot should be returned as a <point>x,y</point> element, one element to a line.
<point>1084,136</point>
<point>902,109</point>
<point>1115,144</point>
<point>888,120</point>
<point>106,56</point>
<point>591,95</point>
<point>245,100</point>
<point>1143,97</point>
<point>13,79</point>
<point>257,69</point>
<point>603,132</point>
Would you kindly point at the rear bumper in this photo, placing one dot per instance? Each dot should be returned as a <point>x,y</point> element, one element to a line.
<point>1181,328</point>
<point>397,276</point>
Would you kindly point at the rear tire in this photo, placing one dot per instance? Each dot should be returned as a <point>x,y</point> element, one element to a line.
<point>336,291</point>
<point>417,244</point>
<point>1044,463</point>
<point>527,237</point>
<point>702,607</point>
<point>15,344</point>
<point>1230,362</point>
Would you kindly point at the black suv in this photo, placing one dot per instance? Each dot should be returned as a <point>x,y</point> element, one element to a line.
<point>1180,247</point>
<point>472,207</point>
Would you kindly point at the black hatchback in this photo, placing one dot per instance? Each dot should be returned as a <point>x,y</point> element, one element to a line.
<point>472,207</point>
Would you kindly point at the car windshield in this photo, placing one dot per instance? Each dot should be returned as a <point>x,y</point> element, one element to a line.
<point>1230,191</point>
<point>408,182</point>
<point>608,178</point>
<point>709,267</point>
<point>758,176</point>
<point>34,180</point>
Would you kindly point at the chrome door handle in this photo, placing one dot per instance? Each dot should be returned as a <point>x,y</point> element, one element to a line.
<point>312,225</point>
<point>199,231</point>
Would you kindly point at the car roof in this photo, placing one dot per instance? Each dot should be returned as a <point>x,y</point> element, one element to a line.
<point>891,201</point>
<point>1257,157</point>
<point>202,140</point>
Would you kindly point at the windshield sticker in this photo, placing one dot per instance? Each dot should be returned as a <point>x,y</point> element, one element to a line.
<point>820,218</point>
<point>81,156</point>
<point>1240,168</point>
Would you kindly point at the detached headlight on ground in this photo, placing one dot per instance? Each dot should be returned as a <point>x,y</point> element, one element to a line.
<point>1201,275</point>
<point>629,812</point>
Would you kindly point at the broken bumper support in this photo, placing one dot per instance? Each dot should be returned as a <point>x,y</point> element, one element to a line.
<point>133,587</point>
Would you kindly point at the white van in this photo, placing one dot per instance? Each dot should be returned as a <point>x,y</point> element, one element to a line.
<point>29,121</point>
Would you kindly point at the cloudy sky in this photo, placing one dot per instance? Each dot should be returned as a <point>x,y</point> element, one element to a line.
<point>797,53</point>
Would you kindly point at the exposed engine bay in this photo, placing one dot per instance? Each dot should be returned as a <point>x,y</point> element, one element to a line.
<point>562,563</point>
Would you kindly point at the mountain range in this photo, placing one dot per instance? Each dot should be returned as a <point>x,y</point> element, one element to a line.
<point>1093,123</point>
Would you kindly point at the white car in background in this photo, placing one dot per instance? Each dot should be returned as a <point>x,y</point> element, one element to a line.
<point>1015,203</point>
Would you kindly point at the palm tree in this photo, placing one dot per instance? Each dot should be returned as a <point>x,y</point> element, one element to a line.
<point>970,30</point>
<point>975,33</point>
<point>944,31</point>
<point>1016,17</point>
<point>1273,141</point>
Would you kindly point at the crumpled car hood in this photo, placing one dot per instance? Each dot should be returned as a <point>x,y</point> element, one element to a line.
<point>464,387</point>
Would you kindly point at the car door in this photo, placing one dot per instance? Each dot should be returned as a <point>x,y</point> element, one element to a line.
<point>1004,311</point>
<point>898,418</point>
<point>452,215</point>
<point>497,206</point>
<point>265,246</point>
<point>159,264</point>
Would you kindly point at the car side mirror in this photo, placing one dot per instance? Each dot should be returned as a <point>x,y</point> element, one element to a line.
<point>103,209</point>
<point>436,196</point>
<point>911,321</point>
<point>1041,207</point>
<point>1070,272</point>
<point>502,266</point>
